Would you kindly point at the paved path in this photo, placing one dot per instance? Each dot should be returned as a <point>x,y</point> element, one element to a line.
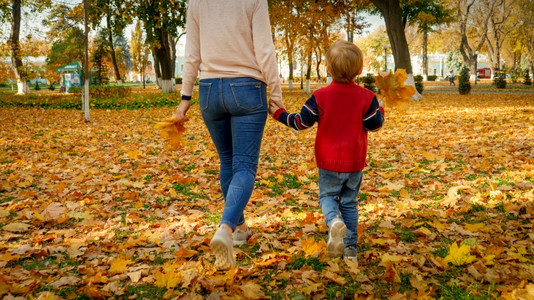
<point>455,91</point>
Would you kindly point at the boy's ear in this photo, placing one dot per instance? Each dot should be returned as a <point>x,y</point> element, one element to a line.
<point>360,71</point>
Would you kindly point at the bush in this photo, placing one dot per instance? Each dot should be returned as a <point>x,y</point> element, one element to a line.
<point>419,83</point>
<point>103,91</point>
<point>51,87</point>
<point>499,79</point>
<point>432,77</point>
<point>527,81</point>
<point>72,101</point>
<point>37,87</point>
<point>178,80</point>
<point>464,87</point>
<point>368,82</point>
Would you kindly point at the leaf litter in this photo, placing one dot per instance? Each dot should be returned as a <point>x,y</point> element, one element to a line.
<point>106,210</point>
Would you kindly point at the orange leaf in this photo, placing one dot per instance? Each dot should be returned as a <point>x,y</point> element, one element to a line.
<point>172,129</point>
<point>310,247</point>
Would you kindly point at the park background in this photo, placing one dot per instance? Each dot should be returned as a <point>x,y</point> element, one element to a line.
<point>94,203</point>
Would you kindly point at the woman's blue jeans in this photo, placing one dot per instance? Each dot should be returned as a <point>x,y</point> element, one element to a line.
<point>235,111</point>
<point>337,198</point>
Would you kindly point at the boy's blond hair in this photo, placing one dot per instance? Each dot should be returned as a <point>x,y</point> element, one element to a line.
<point>345,61</point>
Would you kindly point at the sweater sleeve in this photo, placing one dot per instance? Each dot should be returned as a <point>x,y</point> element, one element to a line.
<point>192,56</point>
<point>264,49</point>
<point>309,114</point>
<point>374,117</point>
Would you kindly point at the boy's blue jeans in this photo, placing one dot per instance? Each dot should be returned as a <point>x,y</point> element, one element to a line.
<point>337,197</point>
<point>235,111</point>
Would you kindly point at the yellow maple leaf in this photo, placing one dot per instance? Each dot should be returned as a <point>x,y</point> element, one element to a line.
<point>312,288</point>
<point>392,89</point>
<point>459,255</point>
<point>310,247</point>
<point>119,265</point>
<point>173,130</point>
<point>167,280</point>
<point>252,290</point>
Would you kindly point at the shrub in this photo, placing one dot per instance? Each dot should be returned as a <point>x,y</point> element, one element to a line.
<point>464,87</point>
<point>527,81</point>
<point>432,77</point>
<point>499,79</point>
<point>37,87</point>
<point>178,80</point>
<point>72,101</point>
<point>419,83</point>
<point>103,91</point>
<point>51,87</point>
<point>368,82</point>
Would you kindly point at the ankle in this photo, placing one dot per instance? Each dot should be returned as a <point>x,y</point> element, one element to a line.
<point>242,227</point>
<point>227,228</point>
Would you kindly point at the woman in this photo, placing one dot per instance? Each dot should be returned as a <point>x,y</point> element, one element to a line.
<point>229,45</point>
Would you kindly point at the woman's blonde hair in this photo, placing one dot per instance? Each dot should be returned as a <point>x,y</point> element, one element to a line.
<point>345,61</point>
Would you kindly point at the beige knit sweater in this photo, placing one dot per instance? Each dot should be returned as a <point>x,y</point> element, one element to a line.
<point>227,39</point>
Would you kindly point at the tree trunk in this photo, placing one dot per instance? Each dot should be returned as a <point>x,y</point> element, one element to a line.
<point>157,69</point>
<point>16,61</point>
<point>290,79</point>
<point>163,52</point>
<point>399,46</point>
<point>307,89</point>
<point>318,69</point>
<point>86,105</point>
<point>425,54</point>
<point>172,44</point>
<point>112,52</point>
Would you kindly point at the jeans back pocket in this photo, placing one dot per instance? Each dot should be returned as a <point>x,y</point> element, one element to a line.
<point>204,89</point>
<point>248,95</point>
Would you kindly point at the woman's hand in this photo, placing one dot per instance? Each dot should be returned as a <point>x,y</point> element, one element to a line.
<point>181,111</point>
<point>275,105</point>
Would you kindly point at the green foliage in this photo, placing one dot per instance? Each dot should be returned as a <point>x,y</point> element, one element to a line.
<point>419,83</point>
<point>453,61</point>
<point>499,79</point>
<point>527,80</point>
<point>104,91</point>
<point>464,87</point>
<point>369,82</point>
<point>432,77</point>
<point>73,101</point>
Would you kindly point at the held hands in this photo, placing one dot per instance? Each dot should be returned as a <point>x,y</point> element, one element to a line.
<point>181,110</point>
<point>275,105</point>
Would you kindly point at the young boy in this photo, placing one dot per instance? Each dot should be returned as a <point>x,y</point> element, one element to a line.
<point>344,112</point>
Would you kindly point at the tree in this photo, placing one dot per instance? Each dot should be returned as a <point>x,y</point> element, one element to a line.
<point>286,19</point>
<point>500,24</point>
<point>473,33</point>
<point>13,14</point>
<point>426,15</point>
<point>525,32</point>
<point>98,59</point>
<point>161,20</point>
<point>392,13</point>
<point>117,18</point>
<point>319,16</point>
<point>353,22</point>
<point>140,51</point>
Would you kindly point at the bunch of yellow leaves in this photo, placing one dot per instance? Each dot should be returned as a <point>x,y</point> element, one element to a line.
<point>392,89</point>
<point>173,130</point>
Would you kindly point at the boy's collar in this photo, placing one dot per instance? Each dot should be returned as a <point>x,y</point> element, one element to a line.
<point>344,84</point>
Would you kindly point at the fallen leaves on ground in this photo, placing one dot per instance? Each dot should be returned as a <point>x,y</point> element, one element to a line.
<point>103,209</point>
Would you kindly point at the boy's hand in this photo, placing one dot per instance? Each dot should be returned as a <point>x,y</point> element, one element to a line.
<point>381,103</point>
